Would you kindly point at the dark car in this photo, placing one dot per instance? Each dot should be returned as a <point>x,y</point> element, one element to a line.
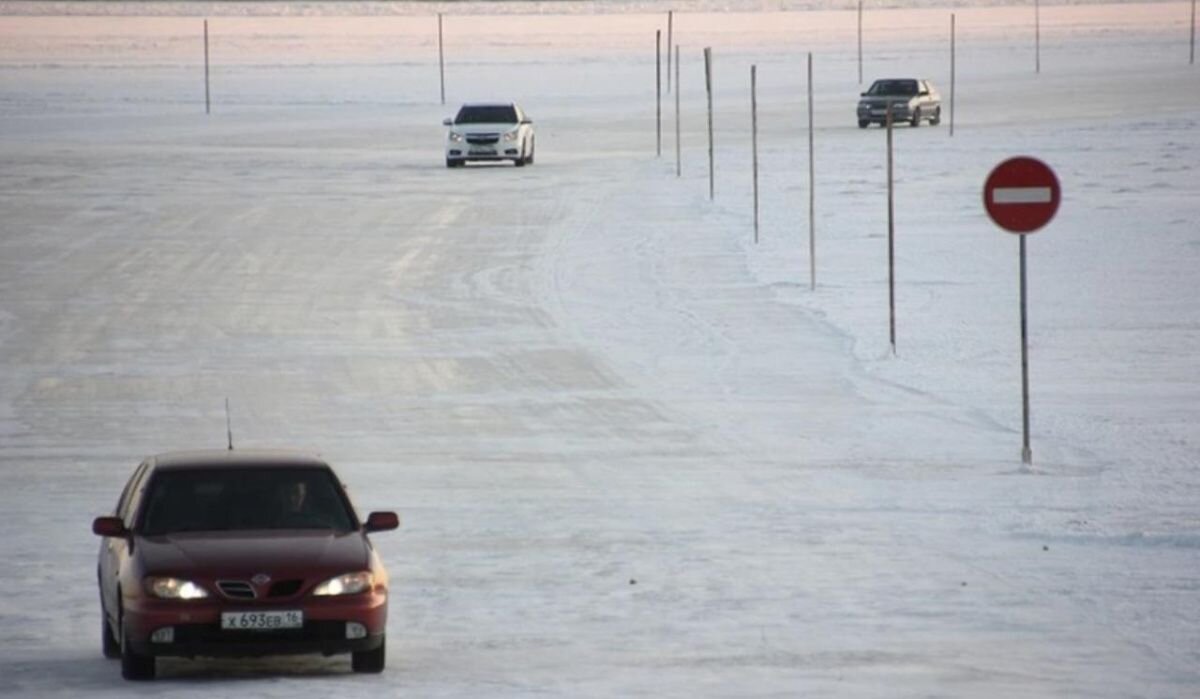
<point>908,99</point>
<point>239,553</point>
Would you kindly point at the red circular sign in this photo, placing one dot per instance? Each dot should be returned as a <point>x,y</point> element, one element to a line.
<point>1021,195</point>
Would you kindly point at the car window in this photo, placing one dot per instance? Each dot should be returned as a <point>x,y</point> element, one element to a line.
<point>228,499</point>
<point>500,114</point>
<point>895,88</point>
<point>123,501</point>
<point>129,497</point>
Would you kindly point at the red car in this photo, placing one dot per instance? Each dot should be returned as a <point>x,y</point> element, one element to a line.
<point>239,553</point>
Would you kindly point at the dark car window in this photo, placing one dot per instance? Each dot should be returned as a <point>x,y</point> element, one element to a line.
<point>486,115</point>
<point>228,499</point>
<point>897,88</point>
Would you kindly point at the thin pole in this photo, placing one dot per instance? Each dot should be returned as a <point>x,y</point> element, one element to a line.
<point>860,13</point>
<point>951,73</point>
<point>891,240</point>
<point>441,59</point>
<point>678,147</point>
<point>1026,452</point>
<point>1037,36</point>
<point>1192,51</point>
<point>754,140</point>
<point>812,186</point>
<point>708,88</point>
<point>658,92</point>
<point>670,39</point>
<point>207,101</point>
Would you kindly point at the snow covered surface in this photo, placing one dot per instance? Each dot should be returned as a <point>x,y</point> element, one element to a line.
<point>634,453</point>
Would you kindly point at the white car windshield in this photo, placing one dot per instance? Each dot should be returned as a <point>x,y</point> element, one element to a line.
<point>486,115</point>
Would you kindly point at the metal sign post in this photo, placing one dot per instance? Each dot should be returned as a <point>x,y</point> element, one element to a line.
<point>1021,195</point>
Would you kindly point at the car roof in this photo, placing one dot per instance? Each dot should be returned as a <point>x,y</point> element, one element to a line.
<point>236,458</point>
<point>489,104</point>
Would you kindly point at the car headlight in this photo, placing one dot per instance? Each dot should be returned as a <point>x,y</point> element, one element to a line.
<point>174,588</point>
<point>348,584</point>
<point>455,137</point>
<point>511,135</point>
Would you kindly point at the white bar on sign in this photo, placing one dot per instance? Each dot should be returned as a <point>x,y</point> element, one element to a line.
<point>1021,195</point>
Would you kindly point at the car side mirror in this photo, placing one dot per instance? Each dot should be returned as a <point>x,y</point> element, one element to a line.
<point>382,522</point>
<point>862,94</point>
<point>109,526</point>
<point>527,120</point>
<point>447,122</point>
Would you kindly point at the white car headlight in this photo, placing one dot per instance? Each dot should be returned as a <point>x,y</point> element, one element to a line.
<point>348,584</point>
<point>174,588</point>
<point>512,135</point>
<point>455,137</point>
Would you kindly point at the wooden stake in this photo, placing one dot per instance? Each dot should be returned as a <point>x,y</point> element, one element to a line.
<point>658,92</point>
<point>441,60</point>
<point>754,141</point>
<point>670,40</point>
<point>678,147</point>
<point>812,185</point>
<point>952,73</point>
<point>860,13</point>
<point>891,239</point>
<point>207,101</point>
<point>708,89</point>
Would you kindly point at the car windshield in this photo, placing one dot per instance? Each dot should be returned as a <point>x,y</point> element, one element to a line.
<point>901,88</point>
<point>501,114</point>
<point>235,499</point>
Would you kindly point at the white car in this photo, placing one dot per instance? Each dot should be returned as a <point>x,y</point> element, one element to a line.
<point>489,131</point>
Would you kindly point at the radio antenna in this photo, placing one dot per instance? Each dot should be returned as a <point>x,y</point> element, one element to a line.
<point>228,425</point>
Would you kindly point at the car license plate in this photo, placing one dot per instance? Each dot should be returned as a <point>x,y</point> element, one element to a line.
<point>482,151</point>
<point>262,621</point>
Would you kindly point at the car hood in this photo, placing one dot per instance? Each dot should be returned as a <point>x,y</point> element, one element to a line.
<point>885,99</point>
<point>219,554</point>
<point>483,128</point>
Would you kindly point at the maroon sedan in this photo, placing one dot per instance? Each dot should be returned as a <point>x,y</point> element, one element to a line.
<point>239,553</point>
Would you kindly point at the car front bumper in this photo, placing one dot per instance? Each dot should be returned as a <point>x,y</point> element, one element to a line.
<point>195,627</point>
<point>500,150</point>
<point>878,114</point>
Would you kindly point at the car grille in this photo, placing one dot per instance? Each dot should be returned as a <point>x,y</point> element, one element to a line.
<point>285,588</point>
<point>483,139</point>
<point>236,589</point>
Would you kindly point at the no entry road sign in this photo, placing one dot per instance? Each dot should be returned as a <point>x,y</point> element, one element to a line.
<point>1021,195</point>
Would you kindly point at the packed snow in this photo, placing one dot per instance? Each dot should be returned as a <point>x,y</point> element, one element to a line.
<point>634,452</point>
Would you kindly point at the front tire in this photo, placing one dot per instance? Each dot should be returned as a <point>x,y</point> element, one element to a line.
<point>532,147</point>
<point>370,661</point>
<point>916,118</point>
<point>135,666</point>
<point>109,644</point>
<point>937,117</point>
<point>863,123</point>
